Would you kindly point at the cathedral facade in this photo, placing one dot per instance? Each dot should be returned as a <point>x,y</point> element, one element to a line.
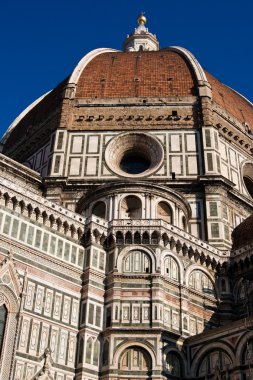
<point>126,242</point>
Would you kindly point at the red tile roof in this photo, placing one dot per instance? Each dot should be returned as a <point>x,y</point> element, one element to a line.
<point>137,74</point>
<point>231,101</point>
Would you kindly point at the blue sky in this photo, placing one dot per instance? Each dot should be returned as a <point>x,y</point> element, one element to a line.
<point>41,42</point>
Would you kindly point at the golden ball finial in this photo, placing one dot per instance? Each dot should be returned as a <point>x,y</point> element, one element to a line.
<point>142,19</point>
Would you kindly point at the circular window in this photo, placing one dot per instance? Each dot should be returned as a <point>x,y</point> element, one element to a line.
<point>134,163</point>
<point>134,154</point>
<point>248,177</point>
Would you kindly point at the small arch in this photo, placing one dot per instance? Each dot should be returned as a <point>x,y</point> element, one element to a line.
<point>134,343</point>
<point>99,209</point>
<point>131,207</point>
<point>217,358</point>
<point>135,359</point>
<point>164,212</point>
<point>197,267</point>
<point>145,238</point>
<point>119,238</point>
<point>205,350</point>
<point>137,238</point>
<point>173,365</point>
<point>155,238</point>
<point>128,238</point>
<point>136,262</point>
<point>124,252</point>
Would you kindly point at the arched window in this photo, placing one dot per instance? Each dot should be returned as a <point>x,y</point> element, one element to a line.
<point>96,352</point>
<point>128,238</point>
<point>135,359</point>
<point>173,365</point>
<point>99,209</point>
<point>154,238</point>
<point>145,238</point>
<point>171,268</point>
<point>119,238</point>
<point>3,318</point>
<point>164,212</point>
<point>137,238</point>
<point>88,350</point>
<point>131,208</point>
<point>215,361</point>
<point>136,262</point>
<point>198,280</point>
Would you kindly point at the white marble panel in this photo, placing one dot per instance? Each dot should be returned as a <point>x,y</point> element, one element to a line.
<point>93,144</point>
<point>175,143</point>
<point>24,334</point>
<point>91,166</point>
<point>57,306</point>
<point>48,303</point>
<point>39,299</point>
<point>30,295</point>
<point>77,144</point>
<point>232,156</point>
<point>176,164</point>
<point>192,165</point>
<point>190,142</point>
<point>75,166</point>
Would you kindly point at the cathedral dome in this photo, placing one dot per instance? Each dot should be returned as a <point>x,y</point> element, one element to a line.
<point>107,74</point>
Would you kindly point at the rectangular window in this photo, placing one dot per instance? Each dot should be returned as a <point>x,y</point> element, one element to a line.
<point>95,258</point>
<point>38,238</point>
<point>60,140</point>
<point>22,233</point>
<point>80,257</point>
<point>73,254</point>
<point>52,245</point>
<point>57,164</point>
<point>210,162</point>
<point>14,230</point>
<point>66,251</point>
<point>91,313</point>
<point>59,248</point>
<point>208,138</point>
<point>101,260</point>
<point>216,140</point>
<point>7,224</point>
<point>45,242</point>
<point>226,232</point>
<point>213,209</point>
<point>218,163</point>
<point>98,316</point>
<point>30,235</point>
<point>225,212</point>
<point>215,230</point>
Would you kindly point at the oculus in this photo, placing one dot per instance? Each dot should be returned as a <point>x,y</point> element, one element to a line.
<point>134,155</point>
